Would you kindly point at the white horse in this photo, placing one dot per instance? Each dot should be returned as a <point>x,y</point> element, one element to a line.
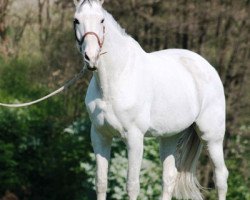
<point>173,95</point>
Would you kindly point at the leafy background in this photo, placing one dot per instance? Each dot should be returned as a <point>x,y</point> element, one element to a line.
<point>45,150</point>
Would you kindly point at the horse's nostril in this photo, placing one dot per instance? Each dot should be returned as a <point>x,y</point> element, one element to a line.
<point>86,57</point>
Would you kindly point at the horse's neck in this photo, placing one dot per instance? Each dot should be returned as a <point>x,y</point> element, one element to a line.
<point>121,49</point>
<point>116,45</point>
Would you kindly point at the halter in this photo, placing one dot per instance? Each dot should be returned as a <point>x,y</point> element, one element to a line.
<point>100,43</point>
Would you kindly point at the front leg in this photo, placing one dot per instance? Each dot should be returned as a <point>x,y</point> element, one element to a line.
<point>135,153</point>
<point>102,146</point>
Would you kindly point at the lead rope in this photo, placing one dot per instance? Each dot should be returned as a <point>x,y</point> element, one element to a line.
<point>63,88</point>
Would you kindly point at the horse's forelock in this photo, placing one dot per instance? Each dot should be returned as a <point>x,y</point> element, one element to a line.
<point>88,1</point>
<point>84,1</point>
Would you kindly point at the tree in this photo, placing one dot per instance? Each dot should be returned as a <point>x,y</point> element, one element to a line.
<point>4,4</point>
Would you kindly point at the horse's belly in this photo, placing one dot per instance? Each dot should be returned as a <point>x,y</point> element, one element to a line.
<point>167,125</point>
<point>174,109</point>
<point>172,115</point>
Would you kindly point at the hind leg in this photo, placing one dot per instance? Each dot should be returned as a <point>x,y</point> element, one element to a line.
<point>215,149</point>
<point>211,126</point>
<point>167,150</point>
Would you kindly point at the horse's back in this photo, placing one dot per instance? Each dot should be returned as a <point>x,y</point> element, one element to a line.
<point>192,61</point>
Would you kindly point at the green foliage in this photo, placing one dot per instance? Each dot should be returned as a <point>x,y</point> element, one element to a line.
<point>239,180</point>
<point>38,158</point>
<point>16,76</point>
<point>8,164</point>
<point>238,186</point>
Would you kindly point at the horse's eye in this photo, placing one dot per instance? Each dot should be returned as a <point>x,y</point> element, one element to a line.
<point>76,21</point>
<point>102,21</point>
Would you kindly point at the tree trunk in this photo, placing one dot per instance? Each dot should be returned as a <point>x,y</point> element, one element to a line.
<point>3,27</point>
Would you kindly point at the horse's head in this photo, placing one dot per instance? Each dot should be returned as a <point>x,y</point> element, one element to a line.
<point>89,29</point>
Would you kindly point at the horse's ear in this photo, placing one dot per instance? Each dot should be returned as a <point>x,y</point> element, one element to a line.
<point>76,2</point>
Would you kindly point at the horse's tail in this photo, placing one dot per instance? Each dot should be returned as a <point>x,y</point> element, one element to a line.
<point>187,154</point>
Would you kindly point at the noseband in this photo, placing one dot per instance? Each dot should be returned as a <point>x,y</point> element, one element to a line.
<point>100,43</point>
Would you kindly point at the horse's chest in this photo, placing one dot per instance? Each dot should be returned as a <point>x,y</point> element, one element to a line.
<point>104,118</point>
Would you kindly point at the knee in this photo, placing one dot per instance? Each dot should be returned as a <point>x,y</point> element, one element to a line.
<point>101,186</point>
<point>226,173</point>
<point>133,188</point>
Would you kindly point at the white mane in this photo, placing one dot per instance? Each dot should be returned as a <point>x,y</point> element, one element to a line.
<point>110,19</point>
<point>114,23</point>
<point>81,2</point>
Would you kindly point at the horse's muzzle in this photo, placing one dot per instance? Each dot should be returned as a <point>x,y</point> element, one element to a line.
<point>90,65</point>
<point>94,68</point>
